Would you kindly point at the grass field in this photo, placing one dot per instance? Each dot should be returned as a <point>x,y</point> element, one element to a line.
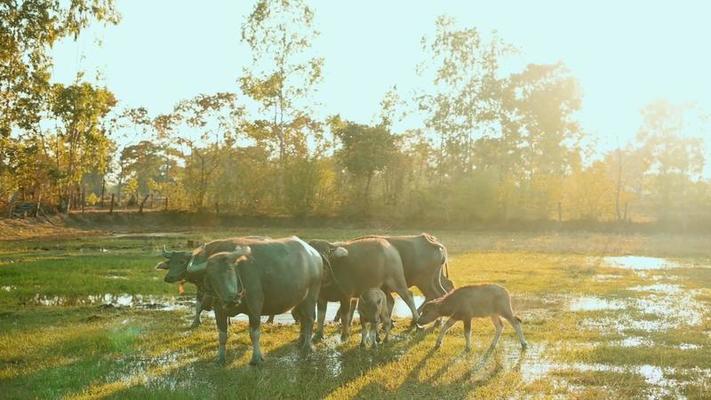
<point>606,316</point>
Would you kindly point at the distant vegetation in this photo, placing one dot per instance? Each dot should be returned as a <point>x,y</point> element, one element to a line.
<point>493,146</point>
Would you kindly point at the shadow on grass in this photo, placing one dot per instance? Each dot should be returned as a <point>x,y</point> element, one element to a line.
<point>287,372</point>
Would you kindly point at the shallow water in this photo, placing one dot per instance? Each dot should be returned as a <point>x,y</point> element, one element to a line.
<point>591,303</point>
<point>639,263</point>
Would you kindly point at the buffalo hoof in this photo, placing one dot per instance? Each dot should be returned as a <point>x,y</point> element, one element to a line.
<point>256,361</point>
<point>524,346</point>
<point>220,362</point>
<point>307,348</point>
<point>317,337</point>
<point>195,324</point>
<point>467,349</point>
<point>437,346</point>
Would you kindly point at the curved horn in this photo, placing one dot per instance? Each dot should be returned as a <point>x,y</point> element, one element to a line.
<point>166,253</point>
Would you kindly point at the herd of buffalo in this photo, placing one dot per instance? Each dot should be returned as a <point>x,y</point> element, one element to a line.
<point>258,276</point>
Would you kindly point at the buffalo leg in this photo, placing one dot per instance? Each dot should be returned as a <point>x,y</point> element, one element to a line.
<point>255,322</point>
<point>321,319</point>
<point>221,322</point>
<point>270,320</point>
<point>363,332</point>
<point>468,334</point>
<point>499,327</point>
<point>337,317</point>
<point>444,330</point>
<point>345,318</point>
<point>401,289</point>
<point>354,305</point>
<point>198,310</point>
<point>307,315</point>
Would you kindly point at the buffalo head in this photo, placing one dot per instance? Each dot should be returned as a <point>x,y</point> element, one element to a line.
<point>328,250</point>
<point>222,275</point>
<point>175,263</point>
<point>430,311</point>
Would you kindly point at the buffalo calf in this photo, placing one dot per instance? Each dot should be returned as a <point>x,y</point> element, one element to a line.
<point>374,311</point>
<point>474,301</point>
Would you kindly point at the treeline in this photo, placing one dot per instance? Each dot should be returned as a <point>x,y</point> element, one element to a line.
<point>492,145</point>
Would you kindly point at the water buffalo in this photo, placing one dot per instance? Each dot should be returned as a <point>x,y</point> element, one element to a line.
<point>473,301</point>
<point>424,261</point>
<point>265,278</point>
<point>356,266</point>
<point>178,263</point>
<point>374,312</point>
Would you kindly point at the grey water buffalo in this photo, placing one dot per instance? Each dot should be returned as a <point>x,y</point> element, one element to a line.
<point>473,301</point>
<point>181,267</point>
<point>355,266</point>
<point>265,278</point>
<point>374,312</point>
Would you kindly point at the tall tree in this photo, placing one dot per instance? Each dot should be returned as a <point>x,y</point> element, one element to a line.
<point>83,143</point>
<point>283,76</point>
<point>28,29</point>
<point>466,95</point>
<point>366,150</point>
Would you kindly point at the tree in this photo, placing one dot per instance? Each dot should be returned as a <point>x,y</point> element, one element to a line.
<point>674,148</point>
<point>282,78</point>
<point>366,150</point>
<point>28,29</point>
<point>82,143</point>
<point>462,108</point>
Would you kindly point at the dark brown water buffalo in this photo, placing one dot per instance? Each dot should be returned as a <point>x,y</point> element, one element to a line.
<point>178,262</point>
<point>356,266</point>
<point>265,278</point>
<point>424,260</point>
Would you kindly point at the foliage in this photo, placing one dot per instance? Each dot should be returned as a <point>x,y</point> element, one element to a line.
<point>495,145</point>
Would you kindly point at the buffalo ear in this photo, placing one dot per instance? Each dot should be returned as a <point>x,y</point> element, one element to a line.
<point>162,265</point>
<point>340,252</point>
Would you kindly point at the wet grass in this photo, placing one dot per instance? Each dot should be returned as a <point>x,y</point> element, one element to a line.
<point>94,351</point>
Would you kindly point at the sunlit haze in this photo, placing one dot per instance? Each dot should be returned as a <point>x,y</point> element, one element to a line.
<point>625,54</point>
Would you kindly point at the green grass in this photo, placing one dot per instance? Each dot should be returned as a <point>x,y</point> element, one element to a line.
<point>89,351</point>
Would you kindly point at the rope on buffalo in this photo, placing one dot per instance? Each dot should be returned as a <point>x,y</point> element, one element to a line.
<point>333,274</point>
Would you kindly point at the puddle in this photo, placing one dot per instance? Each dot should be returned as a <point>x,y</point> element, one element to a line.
<point>658,288</point>
<point>606,277</point>
<point>400,310</point>
<point>639,263</point>
<point>591,303</point>
<point>634,341</point>
<point>118,301</point>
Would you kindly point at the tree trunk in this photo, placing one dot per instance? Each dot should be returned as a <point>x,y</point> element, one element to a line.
<point>140,207</point>
<point>111,207</point>
<point>103,191</point>
<point>619,185</point>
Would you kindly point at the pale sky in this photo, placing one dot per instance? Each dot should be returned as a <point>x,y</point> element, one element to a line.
<point>624,53</point>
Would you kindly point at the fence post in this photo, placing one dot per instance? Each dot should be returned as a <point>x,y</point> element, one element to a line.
<point>111,208</point>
